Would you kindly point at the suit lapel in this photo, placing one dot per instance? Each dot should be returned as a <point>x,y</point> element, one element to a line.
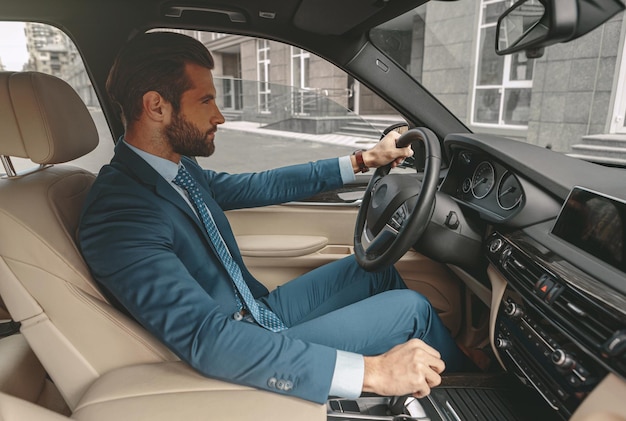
<point>141,171</point>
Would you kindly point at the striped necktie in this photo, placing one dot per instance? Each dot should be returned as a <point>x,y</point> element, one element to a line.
<point>263,316</point>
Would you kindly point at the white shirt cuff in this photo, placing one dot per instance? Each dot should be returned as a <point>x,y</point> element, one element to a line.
<point>347,379</point>
<point>346,170</point>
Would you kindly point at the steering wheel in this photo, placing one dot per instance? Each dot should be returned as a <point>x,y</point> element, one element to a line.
<point>396,209</point>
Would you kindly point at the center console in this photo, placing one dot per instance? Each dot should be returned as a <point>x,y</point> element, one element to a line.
<point>558,332</point>
<point>552,333</point>
<point>460,397</point>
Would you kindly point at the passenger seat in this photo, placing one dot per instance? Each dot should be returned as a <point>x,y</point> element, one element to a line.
<point>21,373</point>
<point>44,282</point>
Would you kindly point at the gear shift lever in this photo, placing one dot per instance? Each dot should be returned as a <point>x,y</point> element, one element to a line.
<point>406,405</point>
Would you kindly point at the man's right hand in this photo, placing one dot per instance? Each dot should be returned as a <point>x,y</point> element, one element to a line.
<point>411,368</point>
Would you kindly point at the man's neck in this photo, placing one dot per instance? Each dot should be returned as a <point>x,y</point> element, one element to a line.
<point>152,142</point>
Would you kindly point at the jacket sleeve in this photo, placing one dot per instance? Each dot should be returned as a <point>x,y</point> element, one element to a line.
<point>131,246</point>
<point>295,182</point>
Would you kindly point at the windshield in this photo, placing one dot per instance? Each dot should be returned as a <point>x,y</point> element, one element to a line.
<point>572,99</point>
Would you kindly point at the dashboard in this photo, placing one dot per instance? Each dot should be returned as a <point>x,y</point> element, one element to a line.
<point>559,322</point>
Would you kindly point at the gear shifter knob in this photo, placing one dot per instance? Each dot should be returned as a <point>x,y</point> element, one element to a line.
<point>406,405</point>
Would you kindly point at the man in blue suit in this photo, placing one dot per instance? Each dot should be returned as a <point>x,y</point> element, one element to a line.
<point>150,245</point>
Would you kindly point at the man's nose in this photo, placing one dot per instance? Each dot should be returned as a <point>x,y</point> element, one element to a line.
<point>217,117</point>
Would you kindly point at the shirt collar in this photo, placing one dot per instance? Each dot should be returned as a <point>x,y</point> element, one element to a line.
<point>166,168</point>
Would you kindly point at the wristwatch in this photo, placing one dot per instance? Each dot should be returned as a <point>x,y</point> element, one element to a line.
<point>358,154</point>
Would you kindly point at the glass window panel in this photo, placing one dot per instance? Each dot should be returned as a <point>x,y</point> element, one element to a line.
<point>227,93</point>
<point>296,72</point>
<point>516,106</point>
<point>487,106</point>
<point>521,67</point>
<point>491,66</point>
<point>262,72</point>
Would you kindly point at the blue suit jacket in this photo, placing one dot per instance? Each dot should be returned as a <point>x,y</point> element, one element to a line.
<point>145,247</point>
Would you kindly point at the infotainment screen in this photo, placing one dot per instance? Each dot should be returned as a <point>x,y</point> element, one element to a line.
<point>594,223</point>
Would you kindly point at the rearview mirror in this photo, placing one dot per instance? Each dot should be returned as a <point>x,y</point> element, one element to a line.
<point>532,25</point>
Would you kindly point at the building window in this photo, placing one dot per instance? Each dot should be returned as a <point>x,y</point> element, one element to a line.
<point>228,93</point>
<point>263,60</point>
<point>618,121</point>
<point>300,80</point>
<point>503,84</point>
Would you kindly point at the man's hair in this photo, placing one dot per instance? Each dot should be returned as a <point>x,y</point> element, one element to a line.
<point>154,61</point>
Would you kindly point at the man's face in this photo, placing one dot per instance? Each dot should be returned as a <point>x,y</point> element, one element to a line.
<point>193,127</point>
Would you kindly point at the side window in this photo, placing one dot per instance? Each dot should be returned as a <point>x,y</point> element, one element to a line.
<point>284,105</point>
<point>31,46</point>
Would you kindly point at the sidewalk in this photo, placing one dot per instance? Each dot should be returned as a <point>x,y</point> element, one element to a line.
<point>335,139</point>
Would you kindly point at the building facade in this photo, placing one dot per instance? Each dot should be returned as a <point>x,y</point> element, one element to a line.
<point>570,99</point>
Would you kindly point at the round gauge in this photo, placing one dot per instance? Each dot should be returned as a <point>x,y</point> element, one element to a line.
<point>467,185</point>
<point>483,180</point>
<point>509,191</point>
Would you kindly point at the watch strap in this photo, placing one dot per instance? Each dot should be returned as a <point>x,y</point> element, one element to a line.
<point>358,155</point>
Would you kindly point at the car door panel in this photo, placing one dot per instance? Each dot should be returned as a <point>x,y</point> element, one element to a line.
<point>279,243</point>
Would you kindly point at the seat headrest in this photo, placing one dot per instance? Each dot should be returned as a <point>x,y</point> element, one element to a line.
<point>42,118</point>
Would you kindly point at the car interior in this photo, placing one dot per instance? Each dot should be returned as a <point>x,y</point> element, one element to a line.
<point>519,248</point>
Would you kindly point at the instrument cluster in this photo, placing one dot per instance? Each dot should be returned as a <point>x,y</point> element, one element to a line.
<point>483,183</point>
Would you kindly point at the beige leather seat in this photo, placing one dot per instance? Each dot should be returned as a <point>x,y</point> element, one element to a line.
<point>105,365</point>
<point>21,373</point>
<point>44,282</point>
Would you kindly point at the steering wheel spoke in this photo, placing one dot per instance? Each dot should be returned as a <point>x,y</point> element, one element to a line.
<point>380,242</point>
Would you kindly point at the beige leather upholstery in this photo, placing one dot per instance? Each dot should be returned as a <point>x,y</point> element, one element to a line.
<point>105,365</point>
<point>22,375</point>
<point>168,391</point>
<point>14,409</point>
<point>173,391</point>
<point>44,282</point>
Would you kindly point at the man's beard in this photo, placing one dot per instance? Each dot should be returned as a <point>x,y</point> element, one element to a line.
<point>186,139</point>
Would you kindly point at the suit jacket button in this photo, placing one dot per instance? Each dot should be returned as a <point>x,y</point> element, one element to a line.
<point>237,316</point>
<point>280,384</point>
<point>288,385</point>
<point>272,382</point>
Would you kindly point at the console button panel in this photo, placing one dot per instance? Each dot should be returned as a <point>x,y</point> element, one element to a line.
<point>554,338</point>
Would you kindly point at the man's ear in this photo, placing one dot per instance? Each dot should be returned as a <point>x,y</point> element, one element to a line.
<point>155,107</point>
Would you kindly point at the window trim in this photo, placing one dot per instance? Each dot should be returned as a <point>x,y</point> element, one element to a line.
<point>263,62</point>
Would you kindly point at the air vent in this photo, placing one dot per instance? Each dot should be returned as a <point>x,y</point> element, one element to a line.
<point>586,321</point>
<point>521,269</point>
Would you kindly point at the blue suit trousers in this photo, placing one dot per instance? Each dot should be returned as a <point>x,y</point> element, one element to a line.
<point>345,307</point>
